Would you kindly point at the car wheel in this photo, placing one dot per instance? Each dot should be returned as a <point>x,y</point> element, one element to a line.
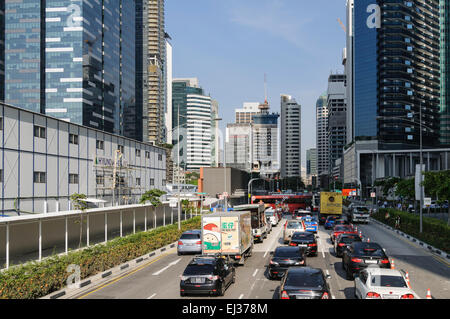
<point>349,274</point>
<point>355,294</point>
<point>179,254</point>
<point>234,277</point>
<point>182,294</point>
<point>221,291</point>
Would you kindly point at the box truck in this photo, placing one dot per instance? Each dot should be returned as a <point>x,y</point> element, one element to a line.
<point>330,205</point>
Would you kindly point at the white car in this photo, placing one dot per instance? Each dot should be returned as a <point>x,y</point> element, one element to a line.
<point>272,215</point>
<point>381,283</point>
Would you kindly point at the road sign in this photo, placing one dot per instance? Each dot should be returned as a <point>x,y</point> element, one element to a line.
<point>373,194</point>
<point>427,201</point>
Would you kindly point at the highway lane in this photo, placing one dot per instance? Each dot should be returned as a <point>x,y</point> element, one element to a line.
<point>159,279</point>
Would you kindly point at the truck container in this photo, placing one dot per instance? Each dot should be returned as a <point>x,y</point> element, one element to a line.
<point>228,234</point>
<point>259,223</point>
<point>330,204</point>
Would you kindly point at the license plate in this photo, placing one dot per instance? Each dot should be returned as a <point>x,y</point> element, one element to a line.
<point>302,297</point>
<point>390,296</point>
<point>371,261</point>
<point>197,280</point>
<point>303,245</point>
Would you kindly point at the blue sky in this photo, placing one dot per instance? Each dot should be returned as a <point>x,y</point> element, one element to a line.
<point>230,44</point>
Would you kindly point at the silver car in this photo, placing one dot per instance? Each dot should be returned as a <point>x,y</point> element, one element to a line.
<point>291,227</point>
<point>190,242</point>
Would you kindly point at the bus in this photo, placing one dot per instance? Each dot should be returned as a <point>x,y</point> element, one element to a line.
<point>292,201</point>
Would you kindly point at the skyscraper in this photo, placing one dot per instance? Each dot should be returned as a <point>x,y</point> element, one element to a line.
<point>239,146</point>
<point>71,60</point>
<point>322,135</point>
<point>445,71</point>
<point>169,108</point>
<point>290,137</point>
<point>2,50</point>
<point>245,114</point>
<point>395,72</point>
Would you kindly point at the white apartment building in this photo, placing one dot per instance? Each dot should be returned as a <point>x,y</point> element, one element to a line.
<point>244,115</point>
<point>290,137</point>
<point>322,135</point>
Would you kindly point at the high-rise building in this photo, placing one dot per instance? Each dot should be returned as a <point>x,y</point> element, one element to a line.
<point>337,117</point>
<point>245,114</point>
<point>323,162</point>
<point>445,71</point>
<point>169,77</point>
<point>191,118</point>
<point>311,162</point>
<point>2,50</point>
<point>290,137</point>
<point>72,60</point>
<point>395,72</point>
<point>151,56</point>
<point>214,133</point>
<point>239,146</point>
<point>348,65</point>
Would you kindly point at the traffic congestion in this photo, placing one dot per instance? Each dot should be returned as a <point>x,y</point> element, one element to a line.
<point>229,238</point>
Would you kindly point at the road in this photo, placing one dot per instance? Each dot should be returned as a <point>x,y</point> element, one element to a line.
<point>159,279</point>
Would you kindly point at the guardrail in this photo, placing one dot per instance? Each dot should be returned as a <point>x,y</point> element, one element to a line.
<point>34,237</point>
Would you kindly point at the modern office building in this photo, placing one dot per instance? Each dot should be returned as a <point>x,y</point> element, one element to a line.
<point>71,60</point>
<point>2,51</point>
<point>168,78</point>
<point>348,63</point>
<point>44,160</point>
<point>244,115</point>
<point>337,117</point>
<point>311,163</point>
<point>191,118</point>
<point>396,73</point>
<point>239,146</point>
<point>322,135</point>
<point>291,137</point>
<point>445,72</point>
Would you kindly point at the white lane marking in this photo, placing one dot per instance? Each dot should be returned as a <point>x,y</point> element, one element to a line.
<point>168,266</point>
<point>274,240</point>
<point>241,296</point>
<point>331,292</point>
<point>151,296</point>
<point>254,274</point>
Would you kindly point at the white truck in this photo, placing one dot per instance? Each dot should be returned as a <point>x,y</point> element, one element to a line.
<point>228,234</point>
<point>359,214</point>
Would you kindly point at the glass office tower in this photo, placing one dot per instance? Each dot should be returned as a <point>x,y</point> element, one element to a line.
<point>445,71</point>
<point>71,59</point>
<point>396,72</point>
<point>2,50</point>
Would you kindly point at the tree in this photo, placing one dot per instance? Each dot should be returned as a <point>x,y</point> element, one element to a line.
<point>406,188</point>
<point>438,184</point>
<point>152,196</point>
<point>79,203</point>
<point>387,184</point>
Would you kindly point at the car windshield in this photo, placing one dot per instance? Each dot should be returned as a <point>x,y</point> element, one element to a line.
<point>313,279</point>
<point>331,218</point>
<point>283,252</point>
<point>369,249</point>
<point>303,236</point>
<point>190,236</point>
<point>350,239</point>
<point>342,228</point>
<point>199,269</point>
<point>362,209</point>
<point>293,225</point>
<point>389,281</point>
<point>269,214</point>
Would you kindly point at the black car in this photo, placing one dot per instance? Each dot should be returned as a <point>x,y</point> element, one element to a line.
<point>207,275</point>
<point>344,240</point>
<point>305,240</point>
<point>322,219</point>
<point>360,255</point>
<point>305,283</point>
<point>283,258</point>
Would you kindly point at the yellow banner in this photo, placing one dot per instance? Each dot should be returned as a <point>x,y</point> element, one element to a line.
<point>330,203</point>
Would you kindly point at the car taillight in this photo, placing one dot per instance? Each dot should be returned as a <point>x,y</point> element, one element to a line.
<point>180,243</point>
<point>312,245</point>
<point>407,296</point>
<point>284,295</point>
<point>341,244</point>
<point>199,242</point>
<point>384,261</point>
<point>213,277</point>
<point>273,262</point>
<point>373,295</point>
<point>356,260</point>
<point>325,296</point>
<point>292,244</point>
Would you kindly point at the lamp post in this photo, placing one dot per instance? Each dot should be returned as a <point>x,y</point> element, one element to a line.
<point>224,165</point>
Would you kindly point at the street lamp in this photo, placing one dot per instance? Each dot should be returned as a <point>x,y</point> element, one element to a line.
<point>224,167</point>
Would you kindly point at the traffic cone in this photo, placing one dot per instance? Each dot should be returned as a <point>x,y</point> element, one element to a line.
<point>392,264</point>
<point>360,234</point>
<point>429,294</point>
<point>407,280</point>
<point>368,240</point>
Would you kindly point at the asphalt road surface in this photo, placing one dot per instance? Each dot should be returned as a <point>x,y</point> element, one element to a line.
<point>160,278</point>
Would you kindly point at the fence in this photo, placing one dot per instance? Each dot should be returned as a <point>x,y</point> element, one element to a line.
<point>26,238</point>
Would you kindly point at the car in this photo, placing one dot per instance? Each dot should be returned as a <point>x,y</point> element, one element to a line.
<point>283,258</point>
<point>272,216</point>
<point>305,240</point>
<point>299,214</point>
<point>375,283</point>
<point>190,242</point>
<point>329,223</point>
<point>360,255</point>
<point>206,274</point>
<point>292,226</point>
<point>322,219</point>
<point>311,224</point>
<point>305,283</point>
<point>342,229</point>
<point>341,222</point>
<point>342,241</point>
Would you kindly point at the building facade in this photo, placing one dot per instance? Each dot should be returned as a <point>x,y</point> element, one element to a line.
<point>71,60</point>
<point>322,135</point>
<point>215,133</point>
<point>239,146</point>
<point>337,117</point>
<point>291,118</point>
<point>2,51</point>
<point>245,115</point>
<point>311,162</point>
<point>265,142</point>
<point>445,72</point>
<point>44,160</point>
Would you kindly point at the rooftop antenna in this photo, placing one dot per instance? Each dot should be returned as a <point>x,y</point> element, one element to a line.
<point>265,106</point>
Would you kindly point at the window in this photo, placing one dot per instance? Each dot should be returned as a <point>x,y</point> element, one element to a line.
<point>100,145</point>
<point>138,181</point>
<point>1,123</point>
<point>159,157</point>
<point>100,180</point>
<point>138,153</point>
<point>73,139</point>
<point>39,177</point>
<point>152,181</point>
<point>164,182</point>
<point>73,178</point>
<point>147,154</point>
<point>39,131</point>
<point>120,148</point>
<point>1,175</point>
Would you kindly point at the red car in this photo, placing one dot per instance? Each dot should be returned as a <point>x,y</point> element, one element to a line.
<point>342,229</point>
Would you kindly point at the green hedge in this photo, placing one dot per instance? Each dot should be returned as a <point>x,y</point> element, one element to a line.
<point>34,280</point>
<point>434,231</point>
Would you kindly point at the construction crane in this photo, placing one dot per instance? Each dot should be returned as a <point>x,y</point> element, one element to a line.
<point>342,25</point>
